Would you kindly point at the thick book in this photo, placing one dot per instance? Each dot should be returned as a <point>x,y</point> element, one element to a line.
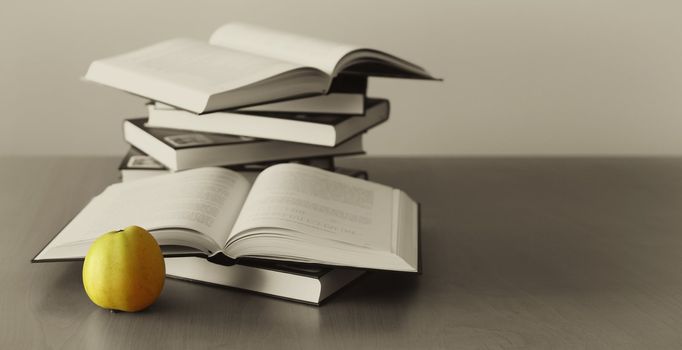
<point>138,165</point>
<point>292,213</point>
<point>308,285</point>
<point>242,65</point>
<point>346,97</point>
<point>335,103</point>
<point>185,149</point>
<point>324,130</point>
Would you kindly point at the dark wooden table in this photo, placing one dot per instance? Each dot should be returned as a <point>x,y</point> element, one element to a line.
<point>517,253</point>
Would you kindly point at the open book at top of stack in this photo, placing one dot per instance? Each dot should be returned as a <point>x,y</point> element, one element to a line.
<point>242,65</point>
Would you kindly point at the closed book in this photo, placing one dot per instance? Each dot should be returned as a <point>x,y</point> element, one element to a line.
<point>346,97</point>
<point>137,165</point>
<point>309,285</point>
<point>335,103</point>
<point>324,130</point>
<point>186,149</point>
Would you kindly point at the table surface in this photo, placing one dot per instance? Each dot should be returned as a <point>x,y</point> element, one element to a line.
<point>517,253</point>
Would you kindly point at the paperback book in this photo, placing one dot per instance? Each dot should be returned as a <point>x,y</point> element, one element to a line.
<point>292,213</point>
<point>242,65</point>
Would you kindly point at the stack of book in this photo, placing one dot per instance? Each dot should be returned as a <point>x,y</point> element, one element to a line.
<point>248,99</point>
<point>309,131</point>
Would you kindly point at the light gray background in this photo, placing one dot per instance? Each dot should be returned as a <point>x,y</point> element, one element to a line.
<point>521,77</point>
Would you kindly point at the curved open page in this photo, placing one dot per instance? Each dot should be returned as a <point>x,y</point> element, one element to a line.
<point>195,208</point>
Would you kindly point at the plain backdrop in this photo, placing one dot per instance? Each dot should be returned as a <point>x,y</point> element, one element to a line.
<point>521,77</point>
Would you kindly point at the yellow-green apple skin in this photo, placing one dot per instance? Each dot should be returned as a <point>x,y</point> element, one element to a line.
<point>124,270</point>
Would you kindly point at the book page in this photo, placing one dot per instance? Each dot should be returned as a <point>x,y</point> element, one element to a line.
<point>303,50</point>
<point>205,200</point>
<point>320,204</point>
<point>193,65</point>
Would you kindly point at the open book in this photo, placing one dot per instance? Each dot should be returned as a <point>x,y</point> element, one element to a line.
<point>293,213</point>
<point>241,65</point>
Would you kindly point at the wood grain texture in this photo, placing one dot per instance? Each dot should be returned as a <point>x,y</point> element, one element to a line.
<point>517,253</point>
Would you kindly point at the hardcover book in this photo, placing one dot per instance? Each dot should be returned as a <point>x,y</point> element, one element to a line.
<point>186,149</point>
<point>346,97</point>
<point>333,103</point>
<point>138,165</point>
<point>321,129</point>
<point>309,285</point>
